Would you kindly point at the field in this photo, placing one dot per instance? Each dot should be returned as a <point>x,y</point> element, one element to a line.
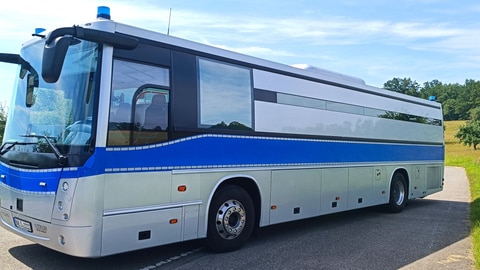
<point>456,154</point>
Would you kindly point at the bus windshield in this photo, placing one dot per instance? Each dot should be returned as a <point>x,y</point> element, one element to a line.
<point>52,122</point>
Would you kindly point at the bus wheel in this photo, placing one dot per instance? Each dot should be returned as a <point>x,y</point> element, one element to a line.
<point>230,219</point>
<point>398,193</point>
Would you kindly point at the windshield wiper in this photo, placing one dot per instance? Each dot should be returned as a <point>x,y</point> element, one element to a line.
<point>4,151</point>
<point>62,159</point>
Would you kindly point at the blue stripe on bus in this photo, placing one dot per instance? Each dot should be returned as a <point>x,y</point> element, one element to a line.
<point>220,151</point>
<point>41,181</point>
<point>210,151</point>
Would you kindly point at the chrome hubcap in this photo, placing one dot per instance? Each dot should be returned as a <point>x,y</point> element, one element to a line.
<point>230,219</point>
<point>399,193</point>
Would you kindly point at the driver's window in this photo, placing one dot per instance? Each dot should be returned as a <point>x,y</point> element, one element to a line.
<point>129,99</point>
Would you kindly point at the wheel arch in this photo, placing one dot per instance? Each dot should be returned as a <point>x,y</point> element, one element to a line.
<point>249,184</point>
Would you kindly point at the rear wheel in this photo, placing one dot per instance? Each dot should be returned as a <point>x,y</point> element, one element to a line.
<point>398,193</point>
<point>230,219</point>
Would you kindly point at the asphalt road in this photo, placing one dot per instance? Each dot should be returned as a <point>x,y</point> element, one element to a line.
<point>431,233</point>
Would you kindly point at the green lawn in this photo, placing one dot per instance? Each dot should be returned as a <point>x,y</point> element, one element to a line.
<point>456,154</point>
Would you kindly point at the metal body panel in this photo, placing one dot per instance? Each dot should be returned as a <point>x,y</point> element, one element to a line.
<point>271,117</point>
<point>122,233</point>
<point>379,99</point>
<point>360,188</point>
<point>418,183</point>
<point>104,97</point>
<point>128,190</point>
<point>35,205</point>
<point>295,194</point>
<point>334,194</point>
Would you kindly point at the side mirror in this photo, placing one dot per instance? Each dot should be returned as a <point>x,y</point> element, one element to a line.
<point>53,57</point>
<point>58,41</point>
<point>32,78</point>
<point>32,82</point>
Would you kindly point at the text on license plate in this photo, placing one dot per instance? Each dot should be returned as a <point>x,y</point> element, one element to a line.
<point>22,224</point>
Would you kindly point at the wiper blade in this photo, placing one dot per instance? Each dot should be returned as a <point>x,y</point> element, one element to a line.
<point>4,151</point>
<point>62,159</point>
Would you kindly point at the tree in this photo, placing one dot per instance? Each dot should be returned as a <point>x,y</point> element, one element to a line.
<point>434,88</point>
<point>457,99</point>
<point>3,120</point>
<point>475,114</point>
<point>404,86</point>
<point>469,134</point>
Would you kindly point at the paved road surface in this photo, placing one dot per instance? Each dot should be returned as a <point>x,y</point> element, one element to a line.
<point>458,255</point>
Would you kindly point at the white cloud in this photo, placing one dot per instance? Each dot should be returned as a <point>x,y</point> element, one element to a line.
<point>416,30</point>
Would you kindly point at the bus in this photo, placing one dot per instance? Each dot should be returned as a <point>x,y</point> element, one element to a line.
<point>120,138</point>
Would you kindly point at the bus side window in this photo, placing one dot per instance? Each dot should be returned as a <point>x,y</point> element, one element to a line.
<point>225,95</point>
<point>130,98</point>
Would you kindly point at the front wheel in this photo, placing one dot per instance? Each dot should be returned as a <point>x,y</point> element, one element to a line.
<point>230,219</point>
<point>398,193</point>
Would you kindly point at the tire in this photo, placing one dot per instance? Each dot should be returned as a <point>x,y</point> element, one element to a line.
<point>230,219</point>
<point>398,193</point>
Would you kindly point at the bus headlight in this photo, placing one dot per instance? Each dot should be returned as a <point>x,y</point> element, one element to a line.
<point>61,240</point>
<point>64,199</point>
<point>65,186</point>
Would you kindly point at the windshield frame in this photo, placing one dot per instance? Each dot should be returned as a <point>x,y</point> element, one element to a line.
<point>23,146</point>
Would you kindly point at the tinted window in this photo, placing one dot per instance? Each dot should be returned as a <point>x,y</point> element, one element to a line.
<point>225,94</point>
<point>131,97</point>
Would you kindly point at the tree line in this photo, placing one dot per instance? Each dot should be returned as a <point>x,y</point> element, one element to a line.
<point>459,102</point>
<point>457,99</point>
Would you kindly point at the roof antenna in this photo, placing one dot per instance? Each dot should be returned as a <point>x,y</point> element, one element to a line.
<point>169,17</point>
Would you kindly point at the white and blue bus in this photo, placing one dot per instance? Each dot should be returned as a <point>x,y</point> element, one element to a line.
<point>120,138</point>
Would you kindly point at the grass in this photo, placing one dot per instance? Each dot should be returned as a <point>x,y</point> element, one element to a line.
<point>456,154</point>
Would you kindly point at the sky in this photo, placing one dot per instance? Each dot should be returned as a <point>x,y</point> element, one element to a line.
<point>375,40</point>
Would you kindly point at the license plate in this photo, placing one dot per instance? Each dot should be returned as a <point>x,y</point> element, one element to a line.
<point>22,224</point>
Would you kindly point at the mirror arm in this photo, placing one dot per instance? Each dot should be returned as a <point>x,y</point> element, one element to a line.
<point>10,58</point>
<point>115,39</point>
<point>17,59</point>
<point>58,41</point>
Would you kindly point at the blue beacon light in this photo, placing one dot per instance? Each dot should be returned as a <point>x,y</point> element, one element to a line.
<point>103,12</point>
<point>39,30</point>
